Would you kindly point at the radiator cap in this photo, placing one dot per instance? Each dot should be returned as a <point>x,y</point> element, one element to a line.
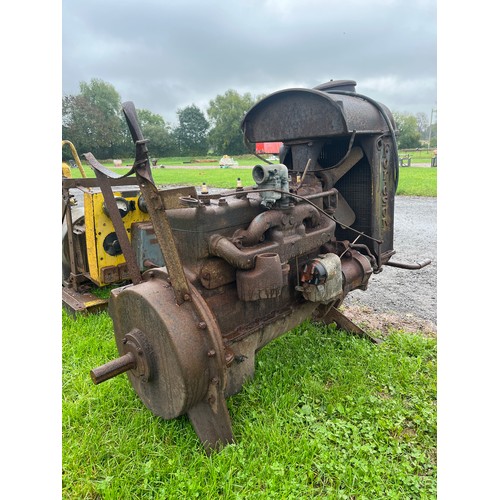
<point>333,85</point>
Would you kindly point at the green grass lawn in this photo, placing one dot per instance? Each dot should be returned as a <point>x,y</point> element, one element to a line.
<point>328,415</point>
<point>417,181</point>
<point>248,160</point>
<point>413,181</point>
<point>420,156</point>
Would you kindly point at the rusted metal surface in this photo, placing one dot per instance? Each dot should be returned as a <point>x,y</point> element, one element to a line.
<point>303,114</point>
<point>113,368</point>
<point>184,353</point>
<point>290,234</point>
<point>247,265</point>
<point>156,208</point>
<point>333,315</point>
<point>103,174</point>
<point>215,273</point>
<point>82,302</point>
<point>138,357</point>
<point>76,278</point>
<point>264,281</point>
<point>406,265</point>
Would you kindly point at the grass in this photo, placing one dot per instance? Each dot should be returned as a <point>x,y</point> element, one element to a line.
<point>413,181</point>
<point>248,160</point>
<point>417,181</point>
<point>327,415</point>
<point>418,156</point>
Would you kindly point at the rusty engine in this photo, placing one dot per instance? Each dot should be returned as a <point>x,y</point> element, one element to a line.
<point>241,267</point>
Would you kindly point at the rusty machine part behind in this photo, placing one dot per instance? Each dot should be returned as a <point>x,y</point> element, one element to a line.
<point>244,266</point>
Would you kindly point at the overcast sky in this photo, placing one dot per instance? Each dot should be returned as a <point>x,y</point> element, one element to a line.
<point>168,54</point>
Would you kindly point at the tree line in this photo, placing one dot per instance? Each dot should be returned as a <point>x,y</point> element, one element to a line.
<point>415,131</point>
<point>93,121</point>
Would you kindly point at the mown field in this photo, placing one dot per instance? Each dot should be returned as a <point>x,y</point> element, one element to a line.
<point>413,181</point>
<point>328,415</point>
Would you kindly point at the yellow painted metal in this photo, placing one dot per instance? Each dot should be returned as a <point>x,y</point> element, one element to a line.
<point>75,157</point>
<point>66,170</point>
<point>104,268</point>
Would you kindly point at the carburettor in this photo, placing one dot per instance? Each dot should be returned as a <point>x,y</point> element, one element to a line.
<point>243,266</point>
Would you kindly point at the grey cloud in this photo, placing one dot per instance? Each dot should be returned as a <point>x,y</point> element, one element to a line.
<point>166,55</point>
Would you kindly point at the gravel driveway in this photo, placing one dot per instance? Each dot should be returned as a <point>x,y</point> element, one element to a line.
<point>404,297</point>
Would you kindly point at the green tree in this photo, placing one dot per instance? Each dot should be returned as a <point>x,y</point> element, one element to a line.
<point>191,134</point>
<point>423,125</point>
<point>225,114</point>
<point>92,120</point>
<point>158,132</point>
<point>408,131</point>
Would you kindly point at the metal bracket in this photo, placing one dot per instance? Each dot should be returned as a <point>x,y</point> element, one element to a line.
<point>76,302</point>
<point>333,315</point>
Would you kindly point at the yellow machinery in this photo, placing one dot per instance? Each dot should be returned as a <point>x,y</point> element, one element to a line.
<point>91,253</point>
<point>106,261</point>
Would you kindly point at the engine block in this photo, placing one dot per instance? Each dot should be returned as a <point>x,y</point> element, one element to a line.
<point>241,267</point>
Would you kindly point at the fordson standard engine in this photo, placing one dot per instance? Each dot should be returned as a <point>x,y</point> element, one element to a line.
<point>240,267</point>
